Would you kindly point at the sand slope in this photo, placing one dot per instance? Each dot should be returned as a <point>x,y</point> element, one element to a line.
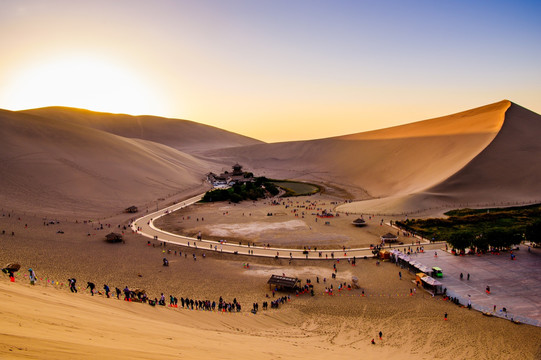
<point>484,156</point>
<point>179,134</point>
<point>504,173</point>
<point>60,167</point>
<point>397,161</point>
<point>49,323</point>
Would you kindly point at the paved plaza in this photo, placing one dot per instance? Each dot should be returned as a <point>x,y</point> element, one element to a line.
<point>514,284</point>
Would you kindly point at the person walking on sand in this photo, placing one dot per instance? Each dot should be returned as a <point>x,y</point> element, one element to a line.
<point>72,286</point>
<point>92,286</point>
<point>126,293</point>
<point>32,276</point>
<point>380,335</point>
<point>445,317</point>
<point>400,275</point>
<point>107,290</point>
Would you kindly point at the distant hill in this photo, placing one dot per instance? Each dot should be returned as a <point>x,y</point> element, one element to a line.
<point>63,167</point>
<point>443,162</point>
<point>179,134</point>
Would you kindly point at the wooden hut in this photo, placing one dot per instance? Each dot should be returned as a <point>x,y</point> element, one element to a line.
<point>359,222</point>
<point>283,282</point>
<point>389,238</point>
<point>131,209</point>
<point>113,237</point>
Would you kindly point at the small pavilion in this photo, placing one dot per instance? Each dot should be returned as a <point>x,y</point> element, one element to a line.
<point>359,222</point>
<point>389,238</point>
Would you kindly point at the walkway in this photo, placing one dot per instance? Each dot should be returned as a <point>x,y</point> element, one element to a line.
<point>145,226</point>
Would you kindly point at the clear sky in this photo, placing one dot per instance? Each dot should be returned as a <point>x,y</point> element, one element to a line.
<point>274,70</point>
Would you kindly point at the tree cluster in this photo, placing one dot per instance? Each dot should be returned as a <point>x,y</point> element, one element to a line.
<point>250,190</point>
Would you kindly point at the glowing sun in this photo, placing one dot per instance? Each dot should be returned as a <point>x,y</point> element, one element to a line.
<point>85,82</point>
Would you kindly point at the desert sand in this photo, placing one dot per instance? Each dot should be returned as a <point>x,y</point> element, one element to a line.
<point>75,171</point>
<point>293,224</point>
<point>47,321</point>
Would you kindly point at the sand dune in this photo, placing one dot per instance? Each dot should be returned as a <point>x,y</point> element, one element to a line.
<point>64,168</point>
<point>503,174</point>
<point>70,157</point>
<point>391,162</point>
<point>62,163</point>
<point>179,134</point>
<point>47,322</point>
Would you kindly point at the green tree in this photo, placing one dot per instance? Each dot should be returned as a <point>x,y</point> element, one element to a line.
<point>502,238</point>
<point>460,240</point>
<point>533,232</point>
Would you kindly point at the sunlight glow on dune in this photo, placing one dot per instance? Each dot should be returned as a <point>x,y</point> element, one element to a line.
<point>82,81</point>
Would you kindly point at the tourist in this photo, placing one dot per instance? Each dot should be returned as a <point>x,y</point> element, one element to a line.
<point>72,286</point>
<point>107,290</point>
<point>32,276</point>
<point>91,286</point>
<point>126,293</point>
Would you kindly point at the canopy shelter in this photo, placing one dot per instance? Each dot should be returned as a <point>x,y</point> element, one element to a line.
<point>389,238</point>
<point>113,237</point>
<point>414,266</point>
<point>283,282</point>
<point>418,277</point>
<point>432,284</point>
<point>359,222</point>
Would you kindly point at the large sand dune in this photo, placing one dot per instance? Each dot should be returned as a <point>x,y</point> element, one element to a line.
<point>504,173</point>
<point>179,134</point>
<point>60,167</point>
<point>395,163</point>
<point>82,160</point>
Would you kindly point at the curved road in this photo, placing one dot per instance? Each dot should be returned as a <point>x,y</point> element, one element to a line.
<point>145,226</point>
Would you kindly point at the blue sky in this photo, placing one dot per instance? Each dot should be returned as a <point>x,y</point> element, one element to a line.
<point>274,70</point>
